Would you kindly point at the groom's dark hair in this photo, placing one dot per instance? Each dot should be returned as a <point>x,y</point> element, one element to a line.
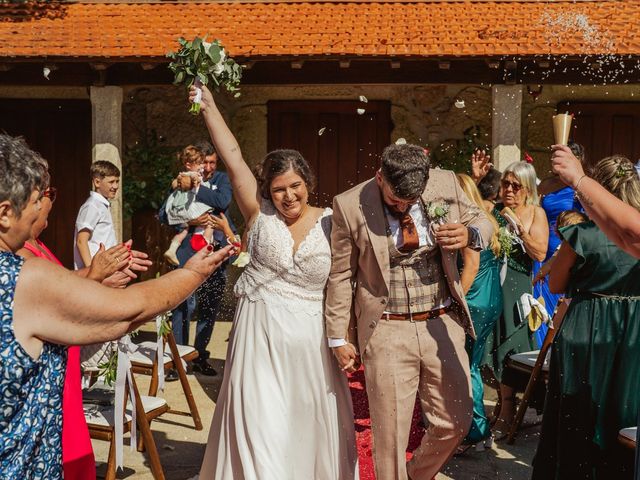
<point>406,169</point>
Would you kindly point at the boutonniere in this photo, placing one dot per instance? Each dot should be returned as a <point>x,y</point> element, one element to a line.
<point>438,212</point>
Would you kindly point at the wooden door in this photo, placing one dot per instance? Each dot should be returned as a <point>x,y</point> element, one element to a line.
<point>60,130</point>
<point>606,128</point>
<point>342,146</point>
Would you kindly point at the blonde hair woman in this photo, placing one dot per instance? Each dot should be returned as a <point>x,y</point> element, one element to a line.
<point>593,392</point>
<point>480,279</point>
<point>524,234</point>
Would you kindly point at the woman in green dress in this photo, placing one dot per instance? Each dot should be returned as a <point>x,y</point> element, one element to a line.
<point>528,234</point>
<point>594,379</point>
<point>480,278</point>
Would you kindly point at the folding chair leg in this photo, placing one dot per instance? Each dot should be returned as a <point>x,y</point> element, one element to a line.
<point>184,382</point>
<point>150,447</point>
<point>147,438</point>
<point>522,409</point>
<point>153,384</point>
<point>111,462</point>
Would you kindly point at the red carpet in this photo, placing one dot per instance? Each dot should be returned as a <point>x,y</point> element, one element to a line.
<point>363,426</point>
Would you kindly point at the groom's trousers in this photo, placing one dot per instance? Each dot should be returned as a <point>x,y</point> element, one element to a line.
<point>401,359</point>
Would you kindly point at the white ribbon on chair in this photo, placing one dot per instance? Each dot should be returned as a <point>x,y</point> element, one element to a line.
<point>123,376</point>
<point>160,352</point>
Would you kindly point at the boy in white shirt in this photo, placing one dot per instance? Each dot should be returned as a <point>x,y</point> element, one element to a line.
<point>94,225</point>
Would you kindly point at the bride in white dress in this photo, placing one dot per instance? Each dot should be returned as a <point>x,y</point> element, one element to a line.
<point>284,409</point>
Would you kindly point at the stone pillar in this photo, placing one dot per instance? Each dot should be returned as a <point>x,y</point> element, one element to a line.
<point>507,125</point>
<point>106,123</point>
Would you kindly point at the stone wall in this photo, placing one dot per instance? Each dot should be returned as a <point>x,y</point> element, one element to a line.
<point>422,114</point>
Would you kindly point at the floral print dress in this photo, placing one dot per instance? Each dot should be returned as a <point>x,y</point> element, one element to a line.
<point>30,394</point>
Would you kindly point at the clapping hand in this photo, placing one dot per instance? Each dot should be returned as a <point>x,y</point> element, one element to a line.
<point>139,262</point>
<point>480,165</point>
<point>135,261</point>
<point>106,262</point>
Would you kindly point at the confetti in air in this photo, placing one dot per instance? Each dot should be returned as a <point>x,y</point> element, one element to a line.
<point>363,99</point>
<point>321,131</point>
<point>46,71</point>
<point>459,104</point>
<point>360,111</point>
<point>401,141</point>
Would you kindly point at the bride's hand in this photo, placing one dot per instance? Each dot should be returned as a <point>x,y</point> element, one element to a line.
<point>206,102</point>
<point>347,357</point>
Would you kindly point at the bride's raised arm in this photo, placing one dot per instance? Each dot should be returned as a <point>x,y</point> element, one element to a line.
<point>245,186</point>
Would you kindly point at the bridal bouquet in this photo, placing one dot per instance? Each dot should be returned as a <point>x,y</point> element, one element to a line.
<point>199,62</point>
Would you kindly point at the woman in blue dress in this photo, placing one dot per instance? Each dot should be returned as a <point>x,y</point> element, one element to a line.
<point>555,198</point>
<point>480,278</point>
<point>43,307</point>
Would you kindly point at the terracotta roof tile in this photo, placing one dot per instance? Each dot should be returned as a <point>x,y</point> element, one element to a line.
<point>464,28</point>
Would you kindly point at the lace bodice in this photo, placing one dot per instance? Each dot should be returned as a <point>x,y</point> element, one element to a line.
<point>275,269</point>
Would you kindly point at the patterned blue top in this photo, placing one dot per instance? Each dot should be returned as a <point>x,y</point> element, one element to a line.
<point>30,395</point>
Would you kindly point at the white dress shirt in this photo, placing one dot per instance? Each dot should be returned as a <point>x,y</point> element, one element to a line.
<point>95,216</point>
<point>425,236</point>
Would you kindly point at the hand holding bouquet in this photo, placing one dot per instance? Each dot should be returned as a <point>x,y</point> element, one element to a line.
<point>199,62</point>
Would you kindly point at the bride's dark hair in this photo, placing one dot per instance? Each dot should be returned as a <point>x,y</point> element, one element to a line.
<point>279,162</point>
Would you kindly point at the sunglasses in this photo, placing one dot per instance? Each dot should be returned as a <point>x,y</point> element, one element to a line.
<point>51,193</point>
<point>515,187</point>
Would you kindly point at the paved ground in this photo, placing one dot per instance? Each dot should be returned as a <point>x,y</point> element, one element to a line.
<point>181,447</point>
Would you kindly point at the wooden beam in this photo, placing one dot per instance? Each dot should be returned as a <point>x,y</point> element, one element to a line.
<point>335,71</point>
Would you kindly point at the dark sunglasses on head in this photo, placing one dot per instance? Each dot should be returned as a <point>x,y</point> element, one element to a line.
<point>516,187</point>
<point>51,193</point>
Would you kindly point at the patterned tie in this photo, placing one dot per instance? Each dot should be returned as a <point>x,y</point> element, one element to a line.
<point>410,240</point>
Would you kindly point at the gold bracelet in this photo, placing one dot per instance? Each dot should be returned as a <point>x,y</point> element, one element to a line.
<point>578,183</point>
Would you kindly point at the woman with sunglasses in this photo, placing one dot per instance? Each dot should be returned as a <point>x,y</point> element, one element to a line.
<point>108,267</point>
<point>525,224</point>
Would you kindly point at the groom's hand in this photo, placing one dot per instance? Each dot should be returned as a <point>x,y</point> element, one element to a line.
<point>347,357</point>
<point>452,236</point>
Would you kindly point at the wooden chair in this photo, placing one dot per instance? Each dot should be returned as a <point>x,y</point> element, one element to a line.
<point>145,361</point>
<point>627,437</point>
<point>101,423</point>
<point>536,364</point>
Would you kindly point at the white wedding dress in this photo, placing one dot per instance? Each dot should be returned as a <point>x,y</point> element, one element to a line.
<point>284,409</point>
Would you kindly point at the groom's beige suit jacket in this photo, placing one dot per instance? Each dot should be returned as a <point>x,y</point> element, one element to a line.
<point>358,286</point>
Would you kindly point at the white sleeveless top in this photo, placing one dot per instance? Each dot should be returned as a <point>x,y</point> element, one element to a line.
<point>274,269</point>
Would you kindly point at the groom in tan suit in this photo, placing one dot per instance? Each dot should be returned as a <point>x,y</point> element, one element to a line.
<point>394,298</point>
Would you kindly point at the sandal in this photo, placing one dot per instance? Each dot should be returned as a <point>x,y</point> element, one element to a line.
<point>485,444</point>
<point>500,429</point>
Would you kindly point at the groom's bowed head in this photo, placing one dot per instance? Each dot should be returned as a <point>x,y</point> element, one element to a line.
<point>402,179</point>
<point>403,175</point>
